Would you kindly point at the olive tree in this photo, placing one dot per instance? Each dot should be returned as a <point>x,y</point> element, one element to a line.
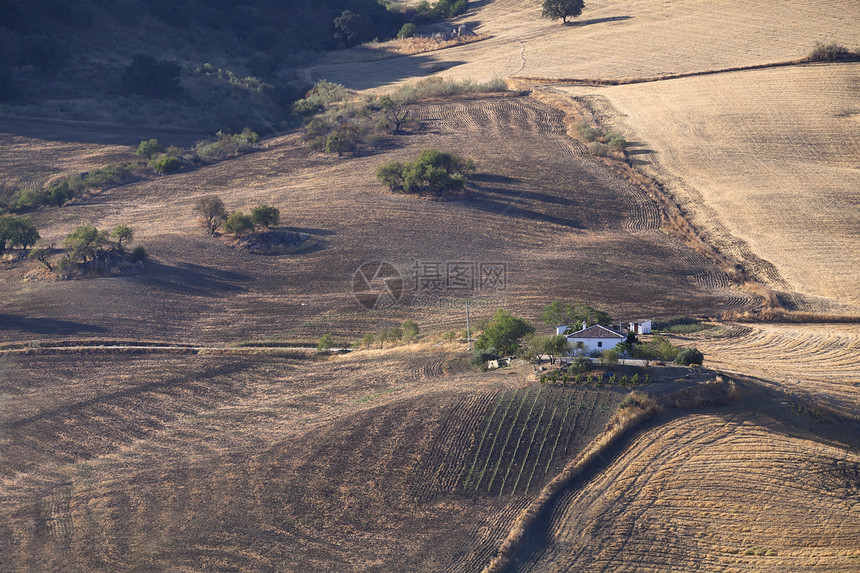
<point>211,211</point>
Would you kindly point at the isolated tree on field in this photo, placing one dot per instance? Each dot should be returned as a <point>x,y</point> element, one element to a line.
<point>395,334</point>
<point>368,339</point>
<point>564,9</point>
<point>212,212</point>
<point>17,232</point>
<point>122,234</point>
<point>265,216</point>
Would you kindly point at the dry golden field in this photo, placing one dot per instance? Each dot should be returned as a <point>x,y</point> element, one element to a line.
<point>815,361</point>
<point>735,491</point>
<point>408,458</point>
<point>362,463</point>
<point>765,162</point>
<point>563,223</point>
<point>616,40</point>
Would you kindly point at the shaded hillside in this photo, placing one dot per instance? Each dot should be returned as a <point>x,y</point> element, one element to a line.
<point>71,58</point>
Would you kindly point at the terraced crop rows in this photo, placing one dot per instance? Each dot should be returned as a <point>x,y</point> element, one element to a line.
<point>512,442</point>
<point>817,361</point>
<point>680,497</point>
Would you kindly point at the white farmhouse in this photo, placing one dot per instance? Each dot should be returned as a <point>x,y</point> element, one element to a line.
<point>593,338</point>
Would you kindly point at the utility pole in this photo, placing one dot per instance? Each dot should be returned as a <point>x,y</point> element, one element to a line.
<point>468,327</point>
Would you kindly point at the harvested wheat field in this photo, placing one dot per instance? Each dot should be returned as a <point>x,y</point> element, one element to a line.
<point>398,459</point>
<point>765,163</point>
<point>559,221</point>
<point>616,40</point>
<point>815,361</point>
<point>735,491</point>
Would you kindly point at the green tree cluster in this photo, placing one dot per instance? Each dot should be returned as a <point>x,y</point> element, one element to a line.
<point>504,332</point>
<point>432,171</point>
<point>574,314</point>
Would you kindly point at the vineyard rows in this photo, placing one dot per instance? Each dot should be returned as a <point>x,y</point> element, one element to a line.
<point>511,442</point>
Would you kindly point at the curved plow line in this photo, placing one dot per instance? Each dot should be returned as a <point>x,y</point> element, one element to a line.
<point>495,437</point>
<point>481,442</point>
<point>529,451</point>
<point>507,439</point>
<point>519,441</point>
<point>542,444</point>
<point>558,435</point>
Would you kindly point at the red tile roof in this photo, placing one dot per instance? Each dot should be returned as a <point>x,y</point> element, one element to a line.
<point>596,331</point>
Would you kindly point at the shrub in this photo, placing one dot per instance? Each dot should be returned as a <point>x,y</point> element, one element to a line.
<point>338,142</point>
<point>609,357</point>
<point>148,148</point>
<point>238,223</point>
<point>483,355</point>
<point>410,330</point>
<point>587,132</point>
<point>615,141</point>
<point>227,145</point>
<point>323,94</point>
<point>165,164</point>
<point>832,52</point>
<point>432,171</point>
<point>113,174</point>
<point>598,149</point>
<point>325,343</point>
<point>689,356</point>
<point>138,254</point>
<point>265,216</point>
<point>407,31</point>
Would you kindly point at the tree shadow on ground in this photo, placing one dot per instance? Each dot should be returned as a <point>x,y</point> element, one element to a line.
<point>581,23</point>
<point>195,280</point>
<point>45,325</point>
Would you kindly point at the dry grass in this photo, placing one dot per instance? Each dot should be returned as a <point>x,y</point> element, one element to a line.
<point>612,40</point>
<point>211,462</point>
<point>761,162</point>
<point>622,421</point>
<point>682,496</point>
<point>562,222</point>
<point>815,361</point>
